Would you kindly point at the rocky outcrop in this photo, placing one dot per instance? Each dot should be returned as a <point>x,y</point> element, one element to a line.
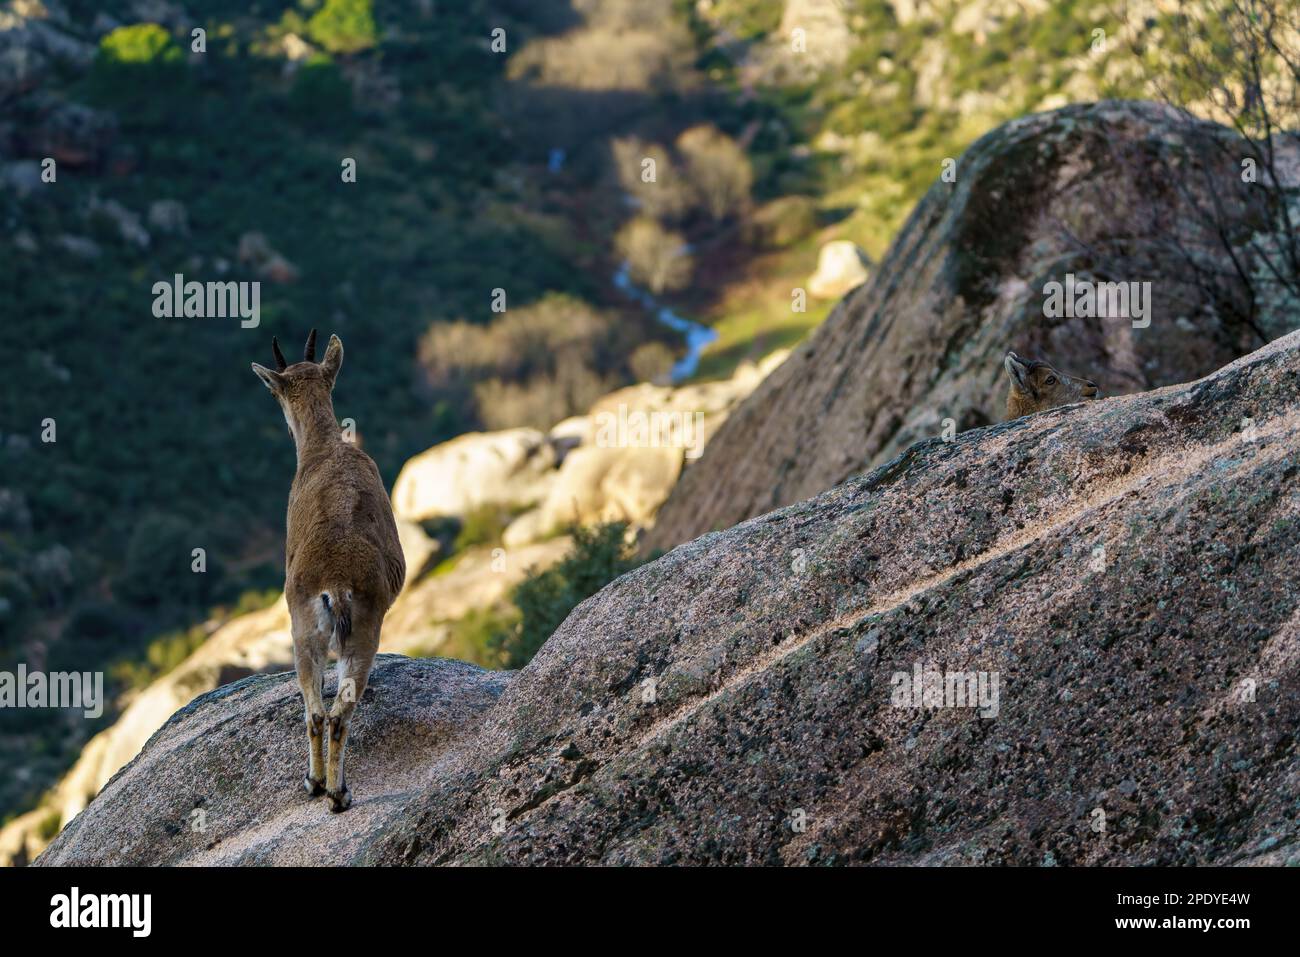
<point>918,347</point>
<point>621,460</point>
<point>251,643</point>
<point>508,468</point>
<point>261,642</point>
<point>418,550</point>
<point>411,715</point>
<point>31,43</point>
<point>72,134</point>
<point>1117,577</point>
<point>616,463</point>
<point>601,484</point>
<point>256,252</point>
<point>585,460</point>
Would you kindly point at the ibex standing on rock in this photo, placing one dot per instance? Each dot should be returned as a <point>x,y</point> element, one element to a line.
<point>343,561</point>
<point>1036,386</point>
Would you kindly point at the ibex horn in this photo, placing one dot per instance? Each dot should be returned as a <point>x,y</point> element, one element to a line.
<point>280,364</point>
<point>309,351</point>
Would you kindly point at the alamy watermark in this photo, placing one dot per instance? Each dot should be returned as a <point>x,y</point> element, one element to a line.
<point>133,912</point>
<point>924,687</point>
<point>1085,299</point>
<point>179,299</point>
<point>637,429</point>
<point>58,689</point>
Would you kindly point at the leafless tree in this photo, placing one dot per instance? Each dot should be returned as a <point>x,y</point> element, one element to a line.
<point>656,257</point>
<point>1235,63</point>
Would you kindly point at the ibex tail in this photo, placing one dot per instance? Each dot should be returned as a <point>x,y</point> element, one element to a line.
<point>336,608</point>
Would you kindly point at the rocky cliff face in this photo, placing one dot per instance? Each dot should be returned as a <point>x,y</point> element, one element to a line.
<point>1085,190</point>
<point>1117,579</point>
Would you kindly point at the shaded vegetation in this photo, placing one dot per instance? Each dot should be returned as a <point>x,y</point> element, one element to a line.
<point>600,554</point>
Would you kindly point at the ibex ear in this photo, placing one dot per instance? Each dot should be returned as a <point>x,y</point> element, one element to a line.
<point>271,379</point>
<point>333,360</point>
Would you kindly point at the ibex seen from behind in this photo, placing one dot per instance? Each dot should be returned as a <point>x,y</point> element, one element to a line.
<point>1035,386</point>
<point>343,562</point>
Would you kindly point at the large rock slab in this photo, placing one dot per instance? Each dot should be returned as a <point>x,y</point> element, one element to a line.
<point>220,783</point>
<point>621,460</point>
<point>841,267</point>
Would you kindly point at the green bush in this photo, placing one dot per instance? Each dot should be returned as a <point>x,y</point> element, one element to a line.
<point>139,44</point>
<point>344,26</point>
<point>600,554</point>
<point>320,89</point>
<point>533,365</point>
<point>95,620</point>
<point>49,826</point>
<point>475,638</point>
<point>15,602</point>
<point>139,67</point>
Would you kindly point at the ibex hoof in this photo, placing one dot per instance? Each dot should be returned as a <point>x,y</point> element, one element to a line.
<point>340,801</point>
<point>314,788</point>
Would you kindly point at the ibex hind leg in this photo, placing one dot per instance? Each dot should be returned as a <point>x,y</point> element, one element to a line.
<point>357,654</point>
<point>310,649</point>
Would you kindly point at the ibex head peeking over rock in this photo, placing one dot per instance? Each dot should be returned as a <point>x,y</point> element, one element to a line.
<point>343,561</point>
<point>1036,386</point>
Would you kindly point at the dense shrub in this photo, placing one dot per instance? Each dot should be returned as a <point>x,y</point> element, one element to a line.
<point>652,362</point>
<point>600,554</point>
<point>476,637</point>
<point>163,654</point>
<point>344,26</point>
<point>659,189</point>
<point>782,222</point>
<point>15,603</point>
<point>158,565</point>
<point>609,58</point>
<point>136,61</point>
<point>140,44</point>
<point>320,90</point>
<point>545,399</point>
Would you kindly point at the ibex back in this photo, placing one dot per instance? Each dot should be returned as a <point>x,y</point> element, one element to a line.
<point>343,561</point>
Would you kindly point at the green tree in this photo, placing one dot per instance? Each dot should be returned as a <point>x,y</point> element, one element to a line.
<point>320,89</point>
<point>344,26</point>
<point>134,63</point>
<point>140,43</point>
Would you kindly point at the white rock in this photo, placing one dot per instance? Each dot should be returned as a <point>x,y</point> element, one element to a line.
<point>841,266</point>
<point>601,485</point>
<point>512,468</point>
